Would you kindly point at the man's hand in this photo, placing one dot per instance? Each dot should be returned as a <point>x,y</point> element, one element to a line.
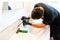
<point>26,22</point>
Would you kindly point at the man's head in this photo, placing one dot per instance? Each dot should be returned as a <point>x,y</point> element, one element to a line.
<point>37,13</point>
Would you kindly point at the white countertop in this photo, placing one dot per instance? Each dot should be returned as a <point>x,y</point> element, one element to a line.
<point>9,17</point>
<point>43,34</point>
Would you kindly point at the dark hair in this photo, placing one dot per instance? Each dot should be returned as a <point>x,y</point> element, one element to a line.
<point>37,13</point>
<point>37,5</point>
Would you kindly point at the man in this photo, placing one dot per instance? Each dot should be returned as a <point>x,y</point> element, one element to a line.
<point>50,17</point>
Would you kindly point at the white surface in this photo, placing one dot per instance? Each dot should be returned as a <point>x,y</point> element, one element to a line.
<point>33,32</point>
<point>9,17</point>
<point>42,35</point>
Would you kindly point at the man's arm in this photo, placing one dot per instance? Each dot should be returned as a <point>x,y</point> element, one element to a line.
<point>41,25</point>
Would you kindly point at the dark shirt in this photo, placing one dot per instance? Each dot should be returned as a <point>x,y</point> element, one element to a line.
<point>51,17</point>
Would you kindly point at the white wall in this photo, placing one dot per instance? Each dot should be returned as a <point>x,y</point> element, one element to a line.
<point>30,4</point>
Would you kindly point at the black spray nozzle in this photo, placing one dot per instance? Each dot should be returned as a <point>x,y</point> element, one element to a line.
<point>24,18</point>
